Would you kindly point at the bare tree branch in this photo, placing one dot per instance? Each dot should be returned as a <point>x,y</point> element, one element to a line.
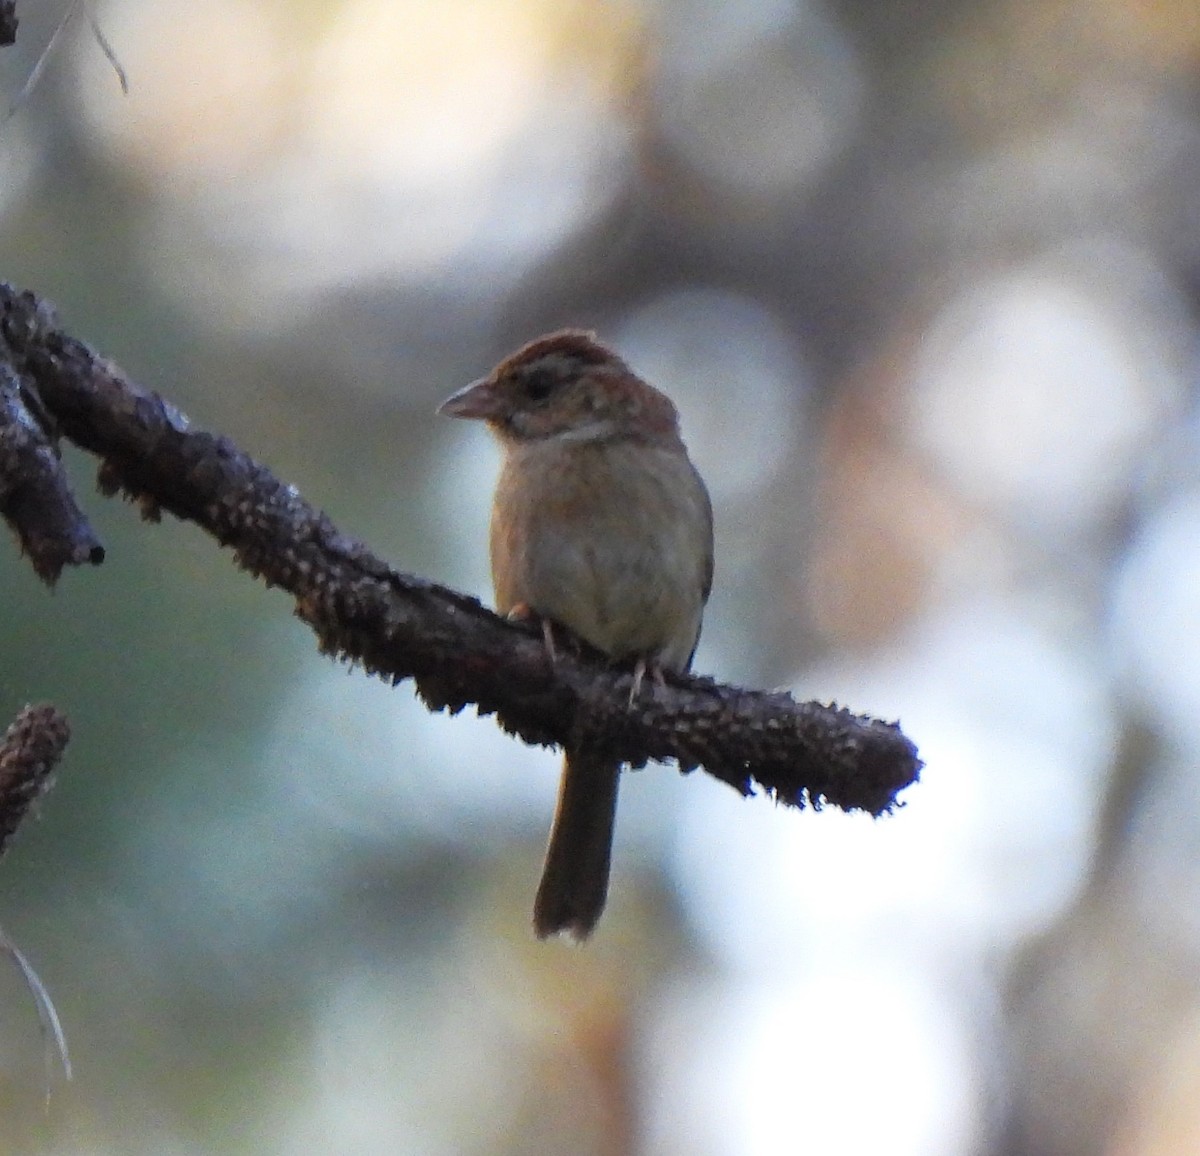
<point>29,752</point>
<point>35,495</point>
<point>398,626</point>
<point>8,22</point>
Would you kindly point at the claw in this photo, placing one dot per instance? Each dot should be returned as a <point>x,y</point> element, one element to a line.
<point>523,612</point>
<point>548,638</point>
<point>639,673</point>
<point>640,670</point>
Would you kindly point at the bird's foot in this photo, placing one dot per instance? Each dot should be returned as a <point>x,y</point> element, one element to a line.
<point>523,612</point>
<point>640,670</point>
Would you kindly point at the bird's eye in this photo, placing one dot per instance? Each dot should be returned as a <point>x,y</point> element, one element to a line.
<point>540,382</point>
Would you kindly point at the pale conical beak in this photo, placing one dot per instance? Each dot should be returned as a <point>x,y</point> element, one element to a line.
<point>477,400</point>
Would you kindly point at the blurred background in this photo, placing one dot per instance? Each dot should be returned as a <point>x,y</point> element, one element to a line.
<point>922,277</point>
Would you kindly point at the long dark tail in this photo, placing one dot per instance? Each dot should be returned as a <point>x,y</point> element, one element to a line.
<point>574,882</point>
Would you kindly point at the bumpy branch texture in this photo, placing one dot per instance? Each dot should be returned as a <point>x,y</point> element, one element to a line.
<point>399,626</point>
<point>29,752</point>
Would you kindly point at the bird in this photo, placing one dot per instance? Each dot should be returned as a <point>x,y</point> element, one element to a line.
<point>600,524</point>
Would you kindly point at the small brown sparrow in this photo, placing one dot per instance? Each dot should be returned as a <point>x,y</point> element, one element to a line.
<point>600,524</point>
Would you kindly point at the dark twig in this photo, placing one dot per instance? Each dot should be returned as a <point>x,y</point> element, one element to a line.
<point>398,626</point>
<point>8,22</point>
<point>35,496</point>
<point>29,752</point>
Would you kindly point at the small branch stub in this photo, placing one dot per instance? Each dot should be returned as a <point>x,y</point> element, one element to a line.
<point>35,494</point>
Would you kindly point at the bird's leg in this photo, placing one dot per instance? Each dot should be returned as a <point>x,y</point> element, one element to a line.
<point>523,612</point>
<point>640,670</point>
